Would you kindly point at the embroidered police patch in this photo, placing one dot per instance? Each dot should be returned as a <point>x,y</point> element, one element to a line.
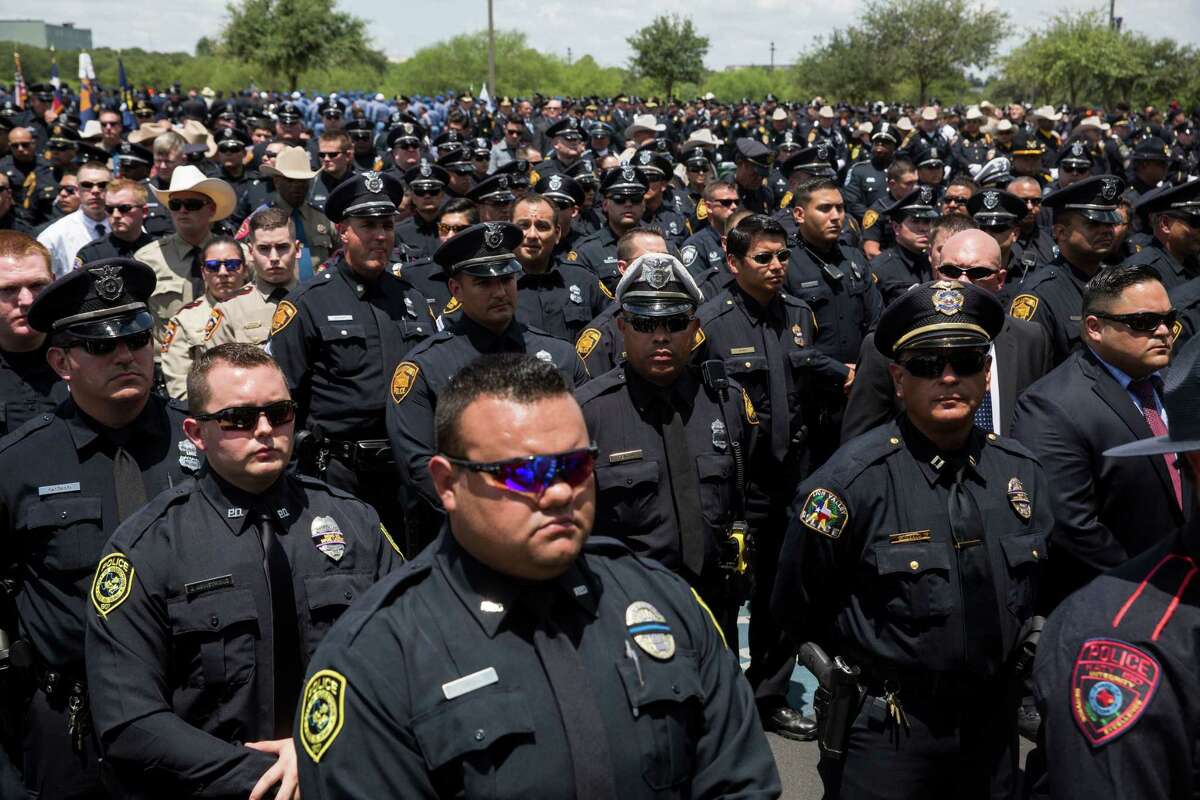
<point>650,630</point>
<point>1023,307</point>
<point>870,218</point>
<point>214,322</point>
<point>1018,498</point>
<point>112,584</point>
<point>587,342</point>
<point>452,306</point>
<point>323,712</point>
<point>1112,685</point>
<point>825,513</point>
<point>748,407</point>
<point>403,379</point>
<point>285,312</point>
<point>169,335</point>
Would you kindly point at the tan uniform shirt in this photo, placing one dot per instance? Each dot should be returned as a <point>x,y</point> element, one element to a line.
<point>171,259</point>
<point>318,230</point>
<point>182,338</point>
<point>245,317</point>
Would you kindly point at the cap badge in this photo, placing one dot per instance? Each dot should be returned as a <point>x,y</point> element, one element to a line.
<point>948,301</point>
<point>1077,149</point>
<point>425,170</point>
<point>720,437</point>
<point>926,194</point>
<point>502,182</point>
<point>650,630</point>
<point>555,183</point>
<point>822,152</point>
<point>109,283</point>
<point>656,272</point>
<point>644,157</point>
<point>1108,188</point>
<point>628,174</point>
<point>991,200</point>
<point>493,236</point>
<point>373,182</point>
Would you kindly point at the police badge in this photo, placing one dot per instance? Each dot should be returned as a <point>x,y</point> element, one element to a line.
<point>425,169</point>
<point>1108,188</point>
<point>627,174</point>
<point>328,538</point>
<point>555,183</point>
<point>822,152</point>
<point>576,293</point>
<point>720,436</point>
<point>948,299</point>
<point>991,199</point>
<point>656,272</point>
<point>650,630</point>
<point>926,195</point>
<point>644,157</point>
<point>373,182</point>
<point>109,283</point>
<point>493,236</point>
<point>1077,149</point>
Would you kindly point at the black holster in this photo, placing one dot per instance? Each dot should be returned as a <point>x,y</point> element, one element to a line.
<point>836,701</point>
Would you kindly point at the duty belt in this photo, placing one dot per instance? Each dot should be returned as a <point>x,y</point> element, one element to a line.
<point>362,454</point>
<point>69,687</point>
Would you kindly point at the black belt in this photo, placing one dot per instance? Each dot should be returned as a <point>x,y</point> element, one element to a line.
<point>68,686</point>
<point>362,454</point>
<point>879,679</point>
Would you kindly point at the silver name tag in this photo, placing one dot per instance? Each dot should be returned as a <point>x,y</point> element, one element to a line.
<point>469,683</point>
<point>340,318</point>
<point>58,488</point>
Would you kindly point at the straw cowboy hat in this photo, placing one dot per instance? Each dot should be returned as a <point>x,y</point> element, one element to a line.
<point>190,179</point>
<point>197,137</point>
<point>292,163</point>
<point>147,132</point>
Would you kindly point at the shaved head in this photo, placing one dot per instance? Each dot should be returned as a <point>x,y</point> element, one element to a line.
<point>972,250</point>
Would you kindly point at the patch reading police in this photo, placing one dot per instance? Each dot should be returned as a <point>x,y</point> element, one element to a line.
<point>169,335</point>
<point>112,584</point>
<point>1112,684</point>
<point>1023,307</point>
<point>825,513</point>
<point>214,321</point>
<point>403,379</point>
<point>328,538</point>
<point>587,342</point>
<point>323,712</point>
<point>688,255</point>
<point>285,312</point>
<point>650,630</point>
<point>1018,499</point>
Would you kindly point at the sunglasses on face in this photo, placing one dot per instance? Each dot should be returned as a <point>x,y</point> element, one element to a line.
<point>933,365</point>
<point>123,208</point>
<point>450,230</point>
<point>765,259</point>
<point>89,186</point>
<point>1070,170</point>
<point>1141,321</point>
<point>104,347</point>
<point>229,264</point>
<point>330,156</point>
<point>536,474</point>
<point>191,204</point>
<point>245,418</point>
<point>676,323</point>
<point>954,272</point>
<point>995,227</point>
<point>61,189</point>
<point>426,192</point>
<point>626,199</point>
<point>728,202</point>
<point>21,145</point>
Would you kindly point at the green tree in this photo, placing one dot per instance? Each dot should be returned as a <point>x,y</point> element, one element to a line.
<point>285,37</point>
<point>668,51</point>
<point>836,67</point>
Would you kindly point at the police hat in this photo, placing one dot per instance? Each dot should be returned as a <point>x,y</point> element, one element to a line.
<point>653,165</point>
<point>1025,143</point>
<point>601,129</point>
<point>331,108</point>
<point>89,152</point>
<point>480,146</point>
<point>923,155</point>
<point>366,194</point>
<point>221,110</point>
<point>457,160</point>
<point>921,203</point>
<point>1182,200</point>
<point>42,91</point>
<point>1152,148</point>
<point>1180,398</point>
<point>584,173</point>
<point>562,188</point>
<point>939,314</point>
<point>405,132</point>
<point>787,143</point>
<point>887,131</point>
<point>565,125</point>
<point>484,250</point>
<point>103,299</point>
<point>359,128</point>
<point>493,189</point>
<point>128,151</point>
<point>230,140</point>
<point>1095,198</point>
<point>62,134</point>
<point>696,158</point>
<point>1077,153</point>
<point>997,172</point>
<point>756,153</point>
<point>517,171</point>
<point>449,138</point>
<point>288,112</point>
<point>623,180</point>
<point>658,285</point>
<point>817,160</point>
<point>995,207</point>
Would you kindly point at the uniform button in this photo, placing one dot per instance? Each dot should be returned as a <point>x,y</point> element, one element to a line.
<point>675,688</point>
<point>215,621</point>
<point>350,595</point>
<point>359,287</point>
<point>728,302</point>
<point>747,365</point>
<point>480,735</point>
<point>63,515</point>
<point>628,482</point>
<point>1035,553</point>
<point>894,440</point>
<point>913,565</point>
<point>343,333</point>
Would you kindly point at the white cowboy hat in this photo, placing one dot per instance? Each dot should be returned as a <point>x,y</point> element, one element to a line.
<point>190,179</point>
<point>645,122</point>
<point>1046,112</point>
<point>147,132</point>
<point>702,137</point>
<point>292,163</point>
<point>197,136</point>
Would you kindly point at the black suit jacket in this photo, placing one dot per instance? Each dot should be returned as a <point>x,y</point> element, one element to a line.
<point>1023,354</point>
<point>1106,510</point>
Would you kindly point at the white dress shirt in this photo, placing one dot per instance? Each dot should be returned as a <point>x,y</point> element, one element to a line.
<point>66,236</point>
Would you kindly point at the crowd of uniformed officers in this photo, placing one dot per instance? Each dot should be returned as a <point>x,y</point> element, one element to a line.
<point>437,453</point>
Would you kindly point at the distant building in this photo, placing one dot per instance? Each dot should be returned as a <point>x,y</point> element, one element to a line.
<point>43,34</point>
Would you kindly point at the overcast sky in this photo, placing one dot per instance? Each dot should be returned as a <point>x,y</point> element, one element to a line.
<point>598,27</point>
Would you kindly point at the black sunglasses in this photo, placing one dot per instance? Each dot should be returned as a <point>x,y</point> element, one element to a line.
<point>61,189</point>
<point>230,264</point>
<point>676,323</point>
<point>765,259</point>
<point>103,347</point>
<point>245,418</point>
<point>963,362</point>
<point>123,208</point>
<point>627,199</point>
<point>1141,321</point>
<point>191,204</point>
<point>955,272</point>
<point>88,186</point>
<point>728,202</point>
<point>426,192</point>
<point>535,474</point>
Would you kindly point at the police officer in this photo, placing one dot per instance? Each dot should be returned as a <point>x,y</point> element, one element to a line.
<point>335,337</point>
<point>973,147</point>
<point>1085,218</point>
<point>675,440</point>
<point>999,213</point>
<point>866,181</point>
<point>28,386</point>
<point>753,160</point>
<point>656,169</point>
<point>877,234</point>
<point>223,561</point>
<point>1115,675</point>
<point>1150,162</point>
<point>493,198</point>
<point>566,139</point>
<point>125,206</point>
<point>67,478</point>
<point>427,184</point>
<point>1075,162</point>
<point>914,554</point>
<point>232,145</point>
<point>336,154</point>
<point>1033,235</point>
<point>814,161</point>
<point>907,261</point>
<point>293,180</point>
<point>703,253</point>
<point>32,182</point>
<point>566,196</point>
<point>482,276</point>
<point>549,668</point>
<point>624,191</point>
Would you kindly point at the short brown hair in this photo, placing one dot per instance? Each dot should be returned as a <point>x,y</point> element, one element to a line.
<point>140,194</point>
<point>269,219</point>
<point>236,354</point>
<point>14,244</point>
<point>342,139</point>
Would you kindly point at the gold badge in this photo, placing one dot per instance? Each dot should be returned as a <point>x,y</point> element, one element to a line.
<point>948,301</point>
<point>587,342</point>
<point>650,630</point>
<point>701,209</point>
<point>1023,307</point>
<point>1018,499</point>
<point>798,335</point>
<point>403,379</point>
<point>112,584</point>
<point>214,322</point>
<point>169,335</point>
<point>323,712</point>
<point>748,407</point>
<point>870,218</point>
<point>285,312</point>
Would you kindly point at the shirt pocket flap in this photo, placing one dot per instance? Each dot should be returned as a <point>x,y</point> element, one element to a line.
<point>741,365</point>
<point>711,466</point>
<point>470,723</point>
<point>912,558</point>
<point>1026,549</point>
<point>616,475</point>
<point>673,681</point>
<point>336,589</point>
<point>213,612</point>
<point>61,513</point>
<point>334,333</point>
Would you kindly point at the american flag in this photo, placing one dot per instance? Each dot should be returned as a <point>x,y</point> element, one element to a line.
<point>19,82</point>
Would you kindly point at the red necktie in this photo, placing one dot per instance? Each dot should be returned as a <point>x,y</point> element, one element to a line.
<point>1144,391</point>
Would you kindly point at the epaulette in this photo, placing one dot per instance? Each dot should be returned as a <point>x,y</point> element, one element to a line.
<point>710,310</point>
<point>1039,277</point>
<point>309,482</point>
<point>131,531</point>
<point>861,452</point>
<point>31,425</point>
<point>1010,446</point>
<point>606,546</point>
<point>194,303</point>
<point>244,290</point>
<point>610,381</point>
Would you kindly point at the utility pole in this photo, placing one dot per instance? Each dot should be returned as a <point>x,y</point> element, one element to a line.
<point>491,53</point>
<point>568,56</point>
<point>772,56</point>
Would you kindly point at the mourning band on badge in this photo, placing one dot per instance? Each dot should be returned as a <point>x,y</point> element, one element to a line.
<point>285,312</point>
<point>1112,685</point>
<point>323,712</point>
<point>650,630</point>
<point>587,342</point>
<point>328,538</point>
<point>112,584</point>
<point>825,513</point>
<point>1019,499</point>
<point>403,379</point>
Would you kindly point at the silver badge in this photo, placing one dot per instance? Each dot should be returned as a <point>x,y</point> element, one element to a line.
<point>109,283</point>
<point>1108,188</point>
<point>948,301</point>
<point>576,293</point>
<point>627,174</point>
<point>720,437</point>
<point>543,355</point>
<point>425,170</point>
<point>650,630</point>
<point>991,199</point>
<point>926,194</point>
<point>555,183</point>
<point>328,538</point>
<point>1077,149</point>
<point>493,236</point>
<point>644,157</point>
<point>503,182</point>
<point>656,272</point>
<point>373,182</point>
<point>409,307</point>
<point>689,254</point>
<point>822,153</point>
<point>189,457</point>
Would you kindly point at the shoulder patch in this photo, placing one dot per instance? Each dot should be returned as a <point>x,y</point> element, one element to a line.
<point>1023,307</point>
<point>1112,684</point>
<point>587,342</point>
<point>870,218</point>
<point>112,584</point>
<point>452,306</point>
<point>699,339</point>
<point>786,200</point>
<point>323,712</point>
<point>285,312</point>
<point>825,513</point>
<point>169,332</point>
<point>701,209</point>
<point>605,291</point>
<point>748,408</point>
<point>572,256</point>
<point>1176,329</point>
<point>214,322</point>
<point>402,382</point>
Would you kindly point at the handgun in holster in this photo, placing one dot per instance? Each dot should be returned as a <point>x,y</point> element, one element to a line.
<point>837,699</point>
<point>312,453</point>
<point>1026,649</point>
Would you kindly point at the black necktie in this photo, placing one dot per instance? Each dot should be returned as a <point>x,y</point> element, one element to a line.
<point>685,487</point>
<point>586,737</point>
<point>285,628</point>
<point>127,477</point>
<point>981,611</point>
<point>777,372</point>
<point>277,294</point>
<point>194,254</point>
